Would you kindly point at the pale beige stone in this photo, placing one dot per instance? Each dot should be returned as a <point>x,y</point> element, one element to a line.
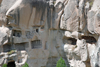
<point>40,32</point>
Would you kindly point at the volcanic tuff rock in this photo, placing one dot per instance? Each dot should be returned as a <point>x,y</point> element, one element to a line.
<point>39,32</point>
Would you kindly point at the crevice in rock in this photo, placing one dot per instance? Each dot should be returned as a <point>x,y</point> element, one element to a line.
<point>89,39</point>
<point>37,30</point>
<point>71,41</point>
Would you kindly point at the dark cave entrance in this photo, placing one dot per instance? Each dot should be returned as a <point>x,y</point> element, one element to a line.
<point>11,64</point>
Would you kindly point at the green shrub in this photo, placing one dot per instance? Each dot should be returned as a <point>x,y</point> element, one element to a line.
<point>61,63</point>
<point>4,65</point>
<point>25,65</point>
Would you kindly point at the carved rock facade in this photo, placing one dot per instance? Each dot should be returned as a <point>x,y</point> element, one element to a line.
<point>39,32</point>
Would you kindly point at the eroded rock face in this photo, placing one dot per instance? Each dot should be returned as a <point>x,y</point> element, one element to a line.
<point>39,32</point>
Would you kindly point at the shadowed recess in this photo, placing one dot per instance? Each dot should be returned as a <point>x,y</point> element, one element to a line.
<point>11,64</point>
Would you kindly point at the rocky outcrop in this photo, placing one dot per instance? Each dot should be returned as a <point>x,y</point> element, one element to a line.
<point>39,32</point>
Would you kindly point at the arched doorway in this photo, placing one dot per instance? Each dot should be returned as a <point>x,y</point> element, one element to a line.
<point>11,64</point>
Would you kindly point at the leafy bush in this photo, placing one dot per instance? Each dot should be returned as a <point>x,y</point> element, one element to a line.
<point>4,65</point>
<point>25,65</point>
<point>61,63</point>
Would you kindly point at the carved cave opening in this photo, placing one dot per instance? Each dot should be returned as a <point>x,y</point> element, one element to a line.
<point>36,44</point>
<point>11,64</point>
<point>29,34</point>
<point>89,39</point>
<point>17,46</point>
<point>6,48</point>
<point>37,30</point>
<point>20,46</point>
<point>71,41</point>
<point>17,33</point>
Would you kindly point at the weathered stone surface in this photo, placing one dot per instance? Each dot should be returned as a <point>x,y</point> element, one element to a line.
<point>93,15</point>
<point>0,1</point>
<point>39,32</point>
<point>91,21</point>
<point>69,19</point>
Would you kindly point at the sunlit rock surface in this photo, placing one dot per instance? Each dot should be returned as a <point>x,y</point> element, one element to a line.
<point>39,32</point>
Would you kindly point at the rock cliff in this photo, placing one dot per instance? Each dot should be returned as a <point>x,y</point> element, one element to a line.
<point>39,32</point>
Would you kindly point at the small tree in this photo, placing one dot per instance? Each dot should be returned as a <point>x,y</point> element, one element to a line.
<point>25,65</point>
<point>61,63</point>
<point>4,65</point>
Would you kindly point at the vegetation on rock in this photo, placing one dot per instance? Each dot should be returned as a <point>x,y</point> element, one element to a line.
<point>11,52</point>
<point>4,65</point>
<point>61,63</point>
<point>25,65</point>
